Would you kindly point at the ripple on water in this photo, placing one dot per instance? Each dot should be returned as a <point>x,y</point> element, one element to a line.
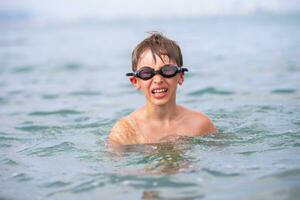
<point>165,161</point>
<point>150,182</point>
<point>250,134</point>
<point>62,112</point>
<point>266,108</point>
<point>55,184</point>
<point>99,126</point>
<point>221,174</point>
<point>87,185</point>
<point>9,162</point>
<point>51,150</point>
<point>22,69</point>
<point>284,91</point>
<point>285,139</point>
<point>5,137</point>
<point>162,158</point>
<point>21,177</point>
<point>212,140</point>
<point>39,128</point>
<point>123,112</point>
<point>3,101</point>
<point>296,121</point>
<point>7,140</point>
<point>290,173</point>
<point>72,66</point>
<point>102,124</point>
<point>135,181</point>
<point>85,93</point>
<point>50,96</point>
<point>210,90</point>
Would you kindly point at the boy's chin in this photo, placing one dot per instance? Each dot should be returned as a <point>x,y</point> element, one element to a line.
<point>159,102</point>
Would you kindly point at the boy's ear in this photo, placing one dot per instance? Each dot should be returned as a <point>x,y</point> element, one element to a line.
<point>135,82</point>
<point>181,78</point>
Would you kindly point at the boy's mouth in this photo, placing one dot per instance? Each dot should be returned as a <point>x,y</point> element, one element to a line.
<point>160,90</point>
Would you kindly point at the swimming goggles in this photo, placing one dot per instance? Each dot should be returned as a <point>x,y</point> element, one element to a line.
<point>167,71</point>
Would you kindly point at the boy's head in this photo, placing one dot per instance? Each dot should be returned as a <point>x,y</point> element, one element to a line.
<point>159,45</point>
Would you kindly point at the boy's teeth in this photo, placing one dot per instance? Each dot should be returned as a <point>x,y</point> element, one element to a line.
<point>159,90</point>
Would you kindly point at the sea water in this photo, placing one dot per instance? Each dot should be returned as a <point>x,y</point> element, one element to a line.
<point>63,86</point>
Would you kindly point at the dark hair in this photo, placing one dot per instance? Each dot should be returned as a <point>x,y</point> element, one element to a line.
<point>159,45</point>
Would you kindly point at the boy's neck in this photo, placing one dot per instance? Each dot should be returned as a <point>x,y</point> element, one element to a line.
<point>161,113</point>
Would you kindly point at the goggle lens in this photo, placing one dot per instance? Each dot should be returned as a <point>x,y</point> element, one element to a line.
<point>145,73</point>
<point>169,71</point>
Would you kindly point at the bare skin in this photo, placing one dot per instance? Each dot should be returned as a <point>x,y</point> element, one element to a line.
<point>160,117</point>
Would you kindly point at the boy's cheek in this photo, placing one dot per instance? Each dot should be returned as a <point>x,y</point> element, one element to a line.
<point>138,86</point>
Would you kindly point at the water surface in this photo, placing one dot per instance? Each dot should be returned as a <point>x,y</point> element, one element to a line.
<point>63,87</point>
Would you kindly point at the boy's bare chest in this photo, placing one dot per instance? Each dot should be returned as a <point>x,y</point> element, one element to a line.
<point>155,132</point>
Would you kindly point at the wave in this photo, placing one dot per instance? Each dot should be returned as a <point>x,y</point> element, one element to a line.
<point>284,91</point>
<point>51,150</point>
<point>210,90</point>
<point>62,112</point>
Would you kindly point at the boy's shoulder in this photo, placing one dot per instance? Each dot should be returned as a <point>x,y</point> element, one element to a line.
<point>198,121</point>
<point>123,132</point>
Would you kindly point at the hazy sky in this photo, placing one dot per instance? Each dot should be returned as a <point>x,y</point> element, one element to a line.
<point>107,9</point>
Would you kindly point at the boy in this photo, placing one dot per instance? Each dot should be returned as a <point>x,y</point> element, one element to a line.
<point>157,70</point>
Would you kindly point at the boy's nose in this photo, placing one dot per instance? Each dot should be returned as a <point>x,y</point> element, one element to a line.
<point>157,78</point>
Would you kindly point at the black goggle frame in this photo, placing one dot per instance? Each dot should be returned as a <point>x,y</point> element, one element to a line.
<point>160,71</point>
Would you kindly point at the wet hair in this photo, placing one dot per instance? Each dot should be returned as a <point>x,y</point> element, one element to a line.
<point>160,46</point>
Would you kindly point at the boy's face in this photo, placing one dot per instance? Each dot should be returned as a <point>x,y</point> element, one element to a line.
<point>157,90</point>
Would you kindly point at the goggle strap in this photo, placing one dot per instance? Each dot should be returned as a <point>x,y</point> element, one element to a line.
<point>130,74</point>
<point>184,70</point>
